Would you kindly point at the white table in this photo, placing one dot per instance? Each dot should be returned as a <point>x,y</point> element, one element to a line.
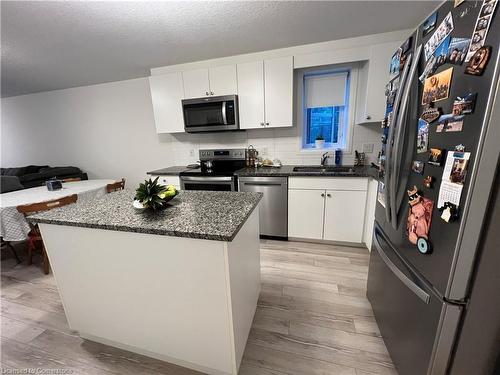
<point>13,225</point>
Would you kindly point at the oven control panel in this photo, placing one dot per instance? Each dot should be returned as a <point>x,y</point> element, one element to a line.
<point>223,154</point>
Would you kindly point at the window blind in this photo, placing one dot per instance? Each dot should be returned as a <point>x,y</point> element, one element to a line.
<point>325,90</point>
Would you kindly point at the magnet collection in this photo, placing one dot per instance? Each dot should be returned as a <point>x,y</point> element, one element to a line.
<point>446,55</point>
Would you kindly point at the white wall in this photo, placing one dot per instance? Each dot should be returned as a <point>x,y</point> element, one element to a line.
<point>107,130</point>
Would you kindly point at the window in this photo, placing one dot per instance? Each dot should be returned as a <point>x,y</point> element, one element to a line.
<point>326,108</point>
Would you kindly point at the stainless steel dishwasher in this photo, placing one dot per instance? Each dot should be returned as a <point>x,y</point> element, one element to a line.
<point>273,206</point>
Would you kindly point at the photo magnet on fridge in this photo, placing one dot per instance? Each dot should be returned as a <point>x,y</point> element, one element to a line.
<point>419,219</point>
<point>444,29</point>
<point>430,114</point>
<point>457,50</point>
<point>478,62</point>
<point>422,136</point>
<point>437,87</point>
<point>457,3</point>
<point>417,167</point>
<point>482,27</point>
<point>430,68</point>
<point>441,53</point>
<point>449,212</point>
<point>428,182</point>
<point>395,61</point>
<point>436,157</point>
<point>429,24</point>
<point>464,105</point>
<point>450,123</point>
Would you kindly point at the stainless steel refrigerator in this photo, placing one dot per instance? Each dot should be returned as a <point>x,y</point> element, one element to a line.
<point>423,299</point>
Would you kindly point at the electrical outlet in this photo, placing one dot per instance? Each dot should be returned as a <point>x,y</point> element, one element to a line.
<point>368,148</point>
<point>191,152</point>
<point>264,150</point>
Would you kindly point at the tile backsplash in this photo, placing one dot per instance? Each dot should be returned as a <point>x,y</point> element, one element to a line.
<point>283,144</point>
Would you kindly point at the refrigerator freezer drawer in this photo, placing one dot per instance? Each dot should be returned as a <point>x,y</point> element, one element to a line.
<point>408,315</point>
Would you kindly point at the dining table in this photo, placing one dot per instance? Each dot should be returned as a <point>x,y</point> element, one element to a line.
<point>13,224</point>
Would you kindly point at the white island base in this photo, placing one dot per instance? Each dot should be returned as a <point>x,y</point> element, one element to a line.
<point>185,301</point>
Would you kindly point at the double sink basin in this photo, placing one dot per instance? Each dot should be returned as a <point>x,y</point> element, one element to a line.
<point>319,169</point>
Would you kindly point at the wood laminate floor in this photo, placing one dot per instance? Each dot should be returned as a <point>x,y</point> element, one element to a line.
<point>312,318</point>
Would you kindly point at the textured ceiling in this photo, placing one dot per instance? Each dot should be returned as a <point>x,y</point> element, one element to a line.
<point>48,45</point>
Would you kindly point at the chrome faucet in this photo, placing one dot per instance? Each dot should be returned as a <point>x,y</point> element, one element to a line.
<point>324,158</point>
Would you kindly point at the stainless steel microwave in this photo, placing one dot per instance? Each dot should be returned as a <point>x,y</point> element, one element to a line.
<point>216,113</point>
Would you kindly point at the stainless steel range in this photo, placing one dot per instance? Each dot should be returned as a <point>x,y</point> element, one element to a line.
<point>216,170</point>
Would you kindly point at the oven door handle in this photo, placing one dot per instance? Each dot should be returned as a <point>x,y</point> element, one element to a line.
<point>224,117</point>
<point>207,179</point>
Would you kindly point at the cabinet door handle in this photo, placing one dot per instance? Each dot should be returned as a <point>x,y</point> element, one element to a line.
<point>211,93</point>
<point>267,124</point>
<point>206,92</point>
<point>329,195</point>
<point>322,195</point>
<point>261,124</point>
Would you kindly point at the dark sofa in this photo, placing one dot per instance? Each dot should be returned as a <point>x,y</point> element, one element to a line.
<point>12,179</point>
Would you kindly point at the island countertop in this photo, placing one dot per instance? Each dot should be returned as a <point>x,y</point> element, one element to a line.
<point>210,215</point>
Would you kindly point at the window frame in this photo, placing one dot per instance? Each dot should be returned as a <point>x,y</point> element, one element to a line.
<point>346,131</point>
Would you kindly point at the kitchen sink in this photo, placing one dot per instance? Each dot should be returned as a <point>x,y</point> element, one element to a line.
<point>321,169</point>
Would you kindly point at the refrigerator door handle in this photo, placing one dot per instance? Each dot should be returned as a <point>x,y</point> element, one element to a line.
<point>422,294</point>
<point>395,174</point>
<point>387,175</point>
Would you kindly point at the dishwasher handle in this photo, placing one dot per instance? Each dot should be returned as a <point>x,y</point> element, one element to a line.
<point>263,184</point>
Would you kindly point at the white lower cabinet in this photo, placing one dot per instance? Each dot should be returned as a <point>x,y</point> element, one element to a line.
<point>325,208</point>
<point>170,180</point>
<point>344,215</point>
<point>305,213</point>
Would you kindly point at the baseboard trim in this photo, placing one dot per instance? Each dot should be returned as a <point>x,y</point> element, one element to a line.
<point>147,353</point>
<point>327,242</point>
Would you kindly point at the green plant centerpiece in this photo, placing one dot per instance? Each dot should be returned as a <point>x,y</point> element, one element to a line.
<point>152,195</point>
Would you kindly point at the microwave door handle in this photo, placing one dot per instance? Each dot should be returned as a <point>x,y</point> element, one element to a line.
<point>387,176</point>
<point>224,117</point>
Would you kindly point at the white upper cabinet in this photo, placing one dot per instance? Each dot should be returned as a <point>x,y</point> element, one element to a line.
<point>167,91</point>
<point>216,81</point>
<point>223,80</point>
<point>278,89</point>
<point>374,75</point>
<point>251,94</point>
<point>196,83</point>
<point>265,93</point>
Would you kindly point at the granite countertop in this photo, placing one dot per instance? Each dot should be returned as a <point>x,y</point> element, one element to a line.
<point>207,215</point>
<point>287,171</point>
<point>170,171</point>
<point>284,171</point>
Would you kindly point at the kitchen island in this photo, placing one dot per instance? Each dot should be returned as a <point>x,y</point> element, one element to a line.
<point>179,285</point>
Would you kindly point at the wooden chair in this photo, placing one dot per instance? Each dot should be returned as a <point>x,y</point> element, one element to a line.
<point>34,235</point>
<point>115,186</point>
<point>71,179</point>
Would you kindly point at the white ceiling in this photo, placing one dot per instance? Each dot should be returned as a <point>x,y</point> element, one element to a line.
<point>48,45</point>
